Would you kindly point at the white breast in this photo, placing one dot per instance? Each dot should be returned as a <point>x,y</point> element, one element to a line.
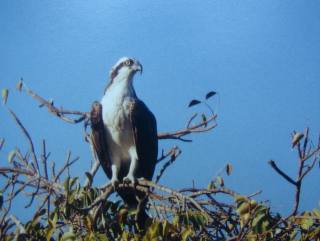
<point>115,107</point>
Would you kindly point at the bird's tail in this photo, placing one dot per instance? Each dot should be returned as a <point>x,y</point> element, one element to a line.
<point>136,200</point>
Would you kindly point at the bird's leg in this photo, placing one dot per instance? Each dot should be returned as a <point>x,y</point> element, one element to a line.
<point>114,179</point>
<point>133,165</point>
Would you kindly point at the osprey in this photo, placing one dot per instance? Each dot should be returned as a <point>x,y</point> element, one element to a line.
<point>128,146</point>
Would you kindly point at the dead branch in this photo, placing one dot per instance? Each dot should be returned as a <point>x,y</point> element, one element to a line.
<point>58,112</point>
<point>305,152</point>
<point>204,126</point>
<point>44,183</point>
<point>173,153</point>
<point>25,132</point>
<point>67,164</point>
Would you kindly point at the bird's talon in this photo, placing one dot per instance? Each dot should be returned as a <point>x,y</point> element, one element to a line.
<point>114,183</point>
<point>129,179</point>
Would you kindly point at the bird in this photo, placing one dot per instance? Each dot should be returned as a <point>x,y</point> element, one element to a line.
<point>126,143</point>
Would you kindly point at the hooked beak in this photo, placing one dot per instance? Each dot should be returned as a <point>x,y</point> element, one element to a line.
<point>138,67</point>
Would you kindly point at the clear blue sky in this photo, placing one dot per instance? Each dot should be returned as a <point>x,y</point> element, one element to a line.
<point>261,56</point>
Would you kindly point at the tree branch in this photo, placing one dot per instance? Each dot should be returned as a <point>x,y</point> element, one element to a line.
<point>59,112</point>
<point>25,132</point>
<point>204,126</point>
<point>279,171</point>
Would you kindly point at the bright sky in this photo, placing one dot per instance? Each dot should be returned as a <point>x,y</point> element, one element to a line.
<point>261,56</point>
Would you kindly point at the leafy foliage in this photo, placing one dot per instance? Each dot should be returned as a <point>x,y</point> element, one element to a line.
<point>77,212</point>
<point>68,210</point>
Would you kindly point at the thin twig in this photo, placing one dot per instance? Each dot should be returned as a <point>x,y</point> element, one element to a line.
<point>25,132</point>
<point>198,128</point>
<point>173,153</point>
<point>67,164</point>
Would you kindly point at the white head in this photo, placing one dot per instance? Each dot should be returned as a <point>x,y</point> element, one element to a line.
<point>125,68</point>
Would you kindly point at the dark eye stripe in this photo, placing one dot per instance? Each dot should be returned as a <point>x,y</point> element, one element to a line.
<point>127,62</point>
<point>115,71</point>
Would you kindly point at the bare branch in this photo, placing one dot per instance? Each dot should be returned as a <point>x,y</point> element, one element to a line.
<point>198,128</point>
<point>191,120</point>
<point>44,159</point>
<point>45,184</point>
<point>173,153</point>
<point>59,112</point>
<point>25,132</point>
<point>67,164</point>
<point>35,193</point>
<point>279,171</point>
<point>308,169</point>
<point>306,140</point>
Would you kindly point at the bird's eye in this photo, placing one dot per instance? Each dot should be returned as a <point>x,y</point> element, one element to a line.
<point>128,62</point>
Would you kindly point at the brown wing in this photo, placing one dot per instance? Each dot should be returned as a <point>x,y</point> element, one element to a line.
<point>145,136</point>
<point>98,138</point>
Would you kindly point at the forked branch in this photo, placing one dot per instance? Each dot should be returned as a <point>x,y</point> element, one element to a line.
<point>305,153</point>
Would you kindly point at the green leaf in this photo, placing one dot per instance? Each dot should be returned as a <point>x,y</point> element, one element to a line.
<point>186,234</point>
<point>194,102</point>
<point>88,222</point>
<point>243,208</point>
<point>19,85</point>
<point>122,215</point>
<point>229,169</point>
<point>240,198</point>
<point>100,237</point>
<point>66,185</point>
<point>12,154</point>
<point>220,181</point>
<point>125,236</point>
<point>211,185</point>
<point>68,236</point>
<point>73,181</point>
<point>307,221</point>
<point>260,223</point>
<point>39,214</point>
<point>315,234</point>
<point>204,120</point>
<point>5,94</point>
<point>153,232</point>
<point>198,219</point>
<point>254,204</point>
<point>176,220</point>
<point>296,138</point>
<point>165,228</point>
<point>210,94</point>
<point>316,212</point>
<point>50,230</point>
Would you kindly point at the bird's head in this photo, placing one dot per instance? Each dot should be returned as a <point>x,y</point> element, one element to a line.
<point>125,68</point>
